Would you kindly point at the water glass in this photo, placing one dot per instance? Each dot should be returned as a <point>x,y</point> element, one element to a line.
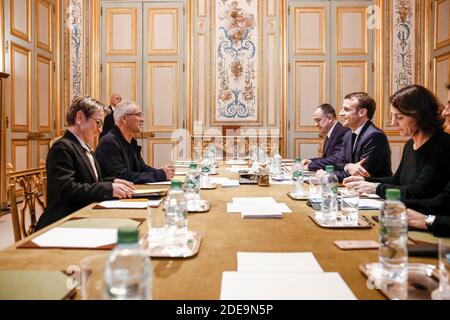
<point>156,227</point>
<point>92,269</point>
<point>349,208</point>
<point>444,269</point>
<point>314,186</point>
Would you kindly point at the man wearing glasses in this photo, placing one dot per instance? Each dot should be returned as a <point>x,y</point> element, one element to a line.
<point>119,154</point>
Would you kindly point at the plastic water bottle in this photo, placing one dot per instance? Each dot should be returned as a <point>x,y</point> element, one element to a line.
<point>176,220</point>
<point>192,184</point>
<point>128,270</point>
<point>329,205</point>
<point>205,171</point>
<point>254,152</point>
<point>277,167</point>
<point>212,158</point>
<point>297,176</point>
<point>393,251</point>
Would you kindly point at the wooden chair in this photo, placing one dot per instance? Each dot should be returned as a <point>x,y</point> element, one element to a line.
<point>33,185</point>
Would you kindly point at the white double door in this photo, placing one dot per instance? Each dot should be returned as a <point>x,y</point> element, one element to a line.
<point>143,59</point>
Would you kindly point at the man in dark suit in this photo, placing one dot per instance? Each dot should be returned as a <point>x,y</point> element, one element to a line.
<point>325,118</point>
<point>74,177</point>
<point>119,154</point>
<point>366,150</point>
<point>109,119</point>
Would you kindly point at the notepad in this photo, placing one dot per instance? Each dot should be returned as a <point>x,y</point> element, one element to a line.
<point>369,204</point>
<point>102,223</point>
<point>277,262</point>
<point>133,204</point>
<point>35,285</point>
<point>77,238</point>
<point>236,162</point>
<point>261,213</point>
<point>149,191</point>
<point>160,183</point>
<point>257,206</point>
<point>284,286</point>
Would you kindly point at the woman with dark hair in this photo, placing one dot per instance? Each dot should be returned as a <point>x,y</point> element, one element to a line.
<point>74,179</point>
<point>423,170</point>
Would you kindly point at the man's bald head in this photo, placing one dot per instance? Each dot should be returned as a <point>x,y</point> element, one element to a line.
<point>115,99</point>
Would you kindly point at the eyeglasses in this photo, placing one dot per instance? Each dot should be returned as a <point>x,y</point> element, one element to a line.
<point>99,122</point>
<point>139,114</point>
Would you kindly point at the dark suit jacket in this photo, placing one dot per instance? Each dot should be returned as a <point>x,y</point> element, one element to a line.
<point>331,149</point>
<point>372,144</point>
<point>108,124</point>
<point>71,182</point>
<point>123,160</point>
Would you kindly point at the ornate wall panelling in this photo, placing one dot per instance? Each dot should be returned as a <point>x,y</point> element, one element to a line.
<point>31,37</point>
<point>438,74</point>
<point>352,50</point>
<point>165,79</point>
<point>330,54</point>
<point>307,148</point>
<point>236,65</point>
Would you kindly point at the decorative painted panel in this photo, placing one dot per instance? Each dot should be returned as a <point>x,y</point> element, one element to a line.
<point>237,59</point>
<point>403,44</point>
<point>76,48</point>
<point>44,93</point>
<point>310,31</point>
<point>351,77</point>
<point>20,20</point>
<point>20,88</point>
<point>162,95</point>
<point>162,31</point>
<point>121,78</point>
<point>162,151</point>
<point>442,24</point>
<point>44,25</point>
<point>271,75</point>
<point>351,33</point>
<point>310,91</point>
<point>201,78</point>
<point>122,31</point>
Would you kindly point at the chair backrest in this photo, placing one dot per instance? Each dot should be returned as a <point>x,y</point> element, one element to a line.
<point>32,185</point>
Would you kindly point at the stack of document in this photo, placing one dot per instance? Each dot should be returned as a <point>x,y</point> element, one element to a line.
<point>258,207</point>
<point>287,276</point>
<point>225,182</point>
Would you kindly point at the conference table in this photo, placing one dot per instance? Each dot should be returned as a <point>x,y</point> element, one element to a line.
<point>223,235</point>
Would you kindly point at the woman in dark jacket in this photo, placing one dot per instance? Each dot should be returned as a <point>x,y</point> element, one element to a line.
<point>74,179</point>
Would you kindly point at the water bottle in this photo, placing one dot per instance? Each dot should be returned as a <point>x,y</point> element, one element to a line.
<point>205,171</point>
<point>277,167</point>
<point>212,158</point>
<point>393,238</point>
<point>176,221</point>
<point>192,184</point>
<point>297,176</point>
<point>261,156</point>
<point>254,153</point>
<point>329,204</point>
<point>128,270</point>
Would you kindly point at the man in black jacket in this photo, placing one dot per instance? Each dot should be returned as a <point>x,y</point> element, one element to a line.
<point>332,130</point>
<point>119,154</point>
<point>109,119</point>
<point>366,150</point>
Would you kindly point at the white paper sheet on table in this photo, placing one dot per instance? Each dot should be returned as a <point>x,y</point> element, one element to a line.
<point>284,286</point>
<point>277,262</point>
<point>120,204</point>
<point>230,183</point>
<point>76,238</point>
<point>250,205</point>
<point>261,213</point>
<point>160,183</point>
<point>180,172</point>
<point>369,204</point>
<point>253,200</point>
<point>285,182</point>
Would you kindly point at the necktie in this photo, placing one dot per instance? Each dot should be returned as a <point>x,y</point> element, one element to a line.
<point>325,145</point>
<point>354,135</point>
